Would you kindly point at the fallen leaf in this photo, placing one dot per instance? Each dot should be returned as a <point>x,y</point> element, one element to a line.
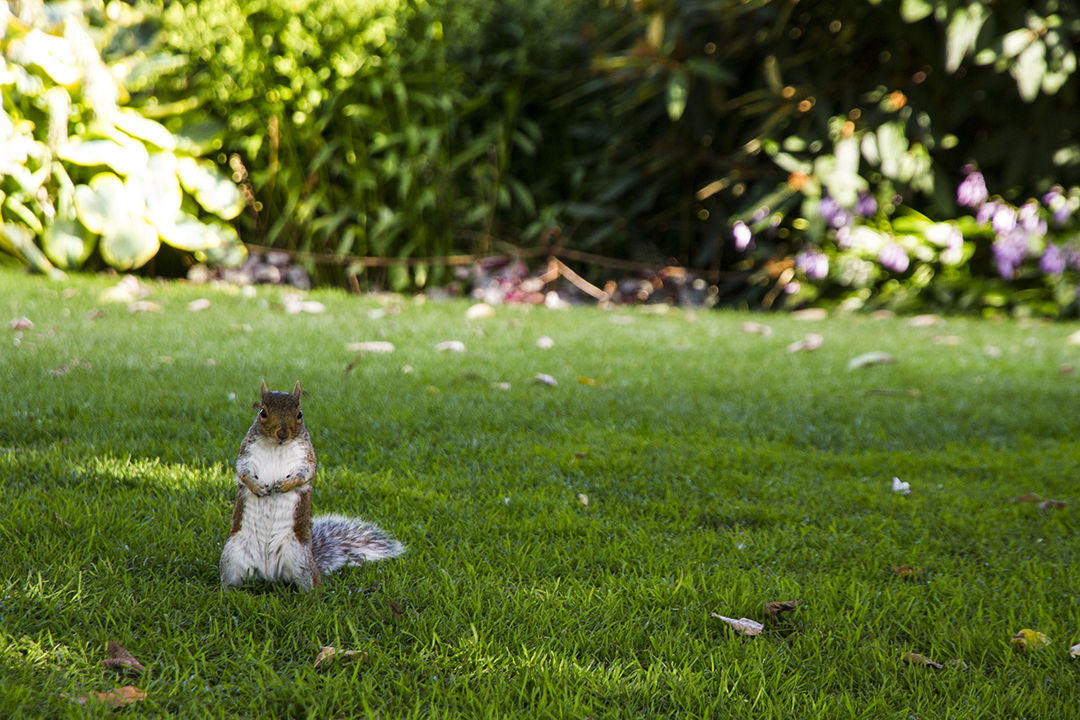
<point>478,311</point>
<point>588,381</point>
<point>329,655</point>
<point>407,369</point>
<point>917,659</point>
<point>1067,370</point>
<point>992,351</point>
<point>553,302</point>
<point>870,358</point>
<point>894,393</point>
<point>117,697</point>
<point>1030,497</point>
<point>882,314</point>
<point>922,321</point>
<point>757,329</point>
<point>371,346</point>
<point>1074,339</point>
<point>810,314</point>
<point>957,663</point>
<point>581,455</point>
<point>1028,640</point>
<point>544,342</point>
<point>623,319</point>
<point>775,608</point>
<point>898,486</point>
<point>945,339</point>
<point>240,328</point>
<point>143,306</point>
<point>1046,505</point>
<point>397,611</point>
<point>583,499</point>
<point>21,323</point>
<point>59,520</point>
<point>545,379</point>
<point>451,346</point>
<point>127,290</point>
<point>94,314</point>
<point>1074,651</point>
<point>501,385</point>
<point>743,626</point>
<point>909,573</point>
<point>122,660</point>
<point>197,305</point>
<point>811,342</point>
<point>434,390</point>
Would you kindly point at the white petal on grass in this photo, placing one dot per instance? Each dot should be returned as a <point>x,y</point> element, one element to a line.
<point>373,346</point>
<point>811,342</point>
<point>743,626</point>
<point>478,311</point>
<point>545,379</point>
<point>451,346</point>
<point>870,358</point>
<point>197,305</point>
<point>544,342</point>
<point>899,486</point>
<point>757,329</point>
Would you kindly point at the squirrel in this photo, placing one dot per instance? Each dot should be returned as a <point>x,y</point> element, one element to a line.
<point>273,536</point>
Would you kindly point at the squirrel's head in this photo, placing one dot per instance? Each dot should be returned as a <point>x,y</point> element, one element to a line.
<point>280,417</point>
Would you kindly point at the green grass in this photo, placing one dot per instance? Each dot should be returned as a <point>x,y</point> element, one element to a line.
<point>721,473</point>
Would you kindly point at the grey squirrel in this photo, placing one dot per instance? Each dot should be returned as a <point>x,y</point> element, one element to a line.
<point>273,536</point>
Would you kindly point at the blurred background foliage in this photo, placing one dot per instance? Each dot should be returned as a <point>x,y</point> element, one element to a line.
<point>704,133</point>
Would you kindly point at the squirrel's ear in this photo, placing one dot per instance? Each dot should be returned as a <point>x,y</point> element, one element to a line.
<point>296,391</point>
<point>264,390</point>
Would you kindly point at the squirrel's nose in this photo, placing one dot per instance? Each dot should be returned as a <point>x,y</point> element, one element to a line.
<point>283,434</point>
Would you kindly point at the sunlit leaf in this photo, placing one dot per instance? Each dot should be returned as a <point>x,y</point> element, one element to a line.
<point>1028,640</point>
<point>961,34</point>
<point>124,158</point>
<point>1029,70</point>
<point>67,243</point>
<point>129,244</point>
<point>210,187</point>
<point>143,128</point>
<point>743,626</point>
<point>190,234</point>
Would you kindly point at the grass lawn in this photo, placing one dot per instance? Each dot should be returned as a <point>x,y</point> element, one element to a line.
<point>721,472</point>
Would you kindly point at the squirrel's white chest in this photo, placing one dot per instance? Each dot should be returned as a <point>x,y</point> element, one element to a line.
<point>270,462</point>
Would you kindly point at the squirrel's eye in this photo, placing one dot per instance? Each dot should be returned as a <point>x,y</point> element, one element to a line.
<point>262,413</point>
<point>299,414</point>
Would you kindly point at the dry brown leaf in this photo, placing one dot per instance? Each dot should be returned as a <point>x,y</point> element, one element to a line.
<point>59,520</point>
<point>1047,505</point>
<point>810,314</point>
<point>122,660</point>
<point>1074,651</point>
<point>397,611</point>
<point>909,573</point>
<point>1030,497</point>
<point>757,329</point>
<point>330,655</point>
<point>94,314</point>
<point>1067,370</point>
<point>143,306</point>
<point>917,659</point>
<point>117,697</point>
<point>957,663</point>
<point>922,321</point>
<point>775,608</point>
<point>811,342</point>
<point>743,626</point>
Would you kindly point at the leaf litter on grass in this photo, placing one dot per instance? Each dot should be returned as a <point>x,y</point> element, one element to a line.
<point>122,660</point>
<point>329,655</point>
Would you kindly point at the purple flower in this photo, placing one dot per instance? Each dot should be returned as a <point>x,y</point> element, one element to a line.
<point>893,257</point>
<point>866,205</point>
<point>1030,220</point>
<point>1053,260</point>
<point>972,190</point>
<point>1059,205</point>
<point>1055,194</point>
<point>742,235</point>
<point>1010,250</point>
<point>1062,214</point>
<point>986,211</point>
<point>813,263</point>
<point>1004,219</point>
<point>833,212</point>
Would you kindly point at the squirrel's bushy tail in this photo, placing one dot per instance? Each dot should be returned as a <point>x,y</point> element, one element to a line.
<point>338,541</point>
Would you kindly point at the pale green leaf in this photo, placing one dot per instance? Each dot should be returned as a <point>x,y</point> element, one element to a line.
<point>1029,70</point>
<point>67,244</point>
<point>142,128</point>
<point>710,70</point>
<point>123,158</point>
<point>129,245</point>
<point>102,203</point>
<point>678,91</point>
<point>915,10</point>
<point>961,34</point>
<point>212,189</point>
<point>190,234</point>
<point>155,190</point>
